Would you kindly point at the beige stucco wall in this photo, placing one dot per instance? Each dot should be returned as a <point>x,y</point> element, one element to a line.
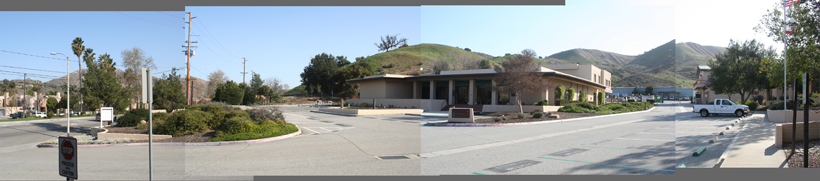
<point>409,103</point>
<point>372,89</point>
<point>783,133</point>
<point>398,90</point>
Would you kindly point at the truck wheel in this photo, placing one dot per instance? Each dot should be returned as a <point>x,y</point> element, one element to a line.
<point>704,113</point>
<point>739,113</point>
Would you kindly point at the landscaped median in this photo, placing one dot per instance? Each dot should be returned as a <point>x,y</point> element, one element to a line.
<point>211,124</point>
<point>570,112</point>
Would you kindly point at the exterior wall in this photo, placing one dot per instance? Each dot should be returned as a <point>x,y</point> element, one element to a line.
<point>372,89</point>
<point>783,133</point>
<point>10,110</point>
<point>589,72</point>
<point>409,103</point>
<point>514,108</point>
<point>398,90</point>
<point>467,71</point>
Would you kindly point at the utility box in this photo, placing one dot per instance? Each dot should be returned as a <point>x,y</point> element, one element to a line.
<point>461,115</point>
<point>106,115</point>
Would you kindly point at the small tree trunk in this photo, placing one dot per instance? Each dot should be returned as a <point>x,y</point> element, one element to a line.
<point>520,107</point>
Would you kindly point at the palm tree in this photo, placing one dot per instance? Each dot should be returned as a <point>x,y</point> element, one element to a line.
<point>78,48</point>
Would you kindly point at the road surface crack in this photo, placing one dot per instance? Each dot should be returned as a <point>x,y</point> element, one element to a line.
<point>211,163</point>
<point>354,144</point>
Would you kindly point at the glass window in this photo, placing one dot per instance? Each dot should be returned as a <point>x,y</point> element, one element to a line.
<point>727,102</point>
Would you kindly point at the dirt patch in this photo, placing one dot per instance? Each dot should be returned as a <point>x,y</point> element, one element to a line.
<point>129,130</point>
<point>513,117</point>
<point>796,161</point>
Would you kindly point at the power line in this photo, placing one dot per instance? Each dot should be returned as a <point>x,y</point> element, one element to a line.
<point>170,14</point>
<point>217,41</point>
<point>223,58</point>
<point>147,20</point>
<point>31,69</point>
<point>32,74</point>
<point>36,56</point>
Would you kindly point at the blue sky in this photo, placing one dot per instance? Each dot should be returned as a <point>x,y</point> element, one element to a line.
<point>613,26</point>
<point>279,41</point>
<point>40,33</point>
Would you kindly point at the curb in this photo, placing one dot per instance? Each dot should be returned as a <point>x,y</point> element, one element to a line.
<point>527,123</point>
<point>299,131</point>
<point>41,120</point>
<point>726,152</point>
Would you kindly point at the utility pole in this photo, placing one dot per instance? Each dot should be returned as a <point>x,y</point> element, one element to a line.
<point>188,54</point>
<point>243,69</point>
<point>25,91</point>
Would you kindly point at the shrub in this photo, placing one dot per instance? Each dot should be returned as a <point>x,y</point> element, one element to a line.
<point>363,105</point>
<point>236,125</point>
<point>185,122</point>
<point>221,117</point>
<point>537,115</point>
<point>600,97</point>
<point>132,118</point>
<point>269,113</point>
<point>561,102</point>
<point>752,105</point>
<point>50,115</point>
<point>582,97</point>
<point>543,103</point>
<point>264,130</point>
<point>160,116</point>
<point>497,119</point>
<point>574,109</point>
<point>503,118</point>
<point>559,92</point>
<point>536,111</point>
<point>209,108</point>
<point>522,116</point>
<point>571,94</point>
<point>586,105</point>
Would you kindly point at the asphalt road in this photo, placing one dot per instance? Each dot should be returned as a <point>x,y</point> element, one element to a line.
<point>632,144</point>
<point>694,131</point>
<point>29,133</point>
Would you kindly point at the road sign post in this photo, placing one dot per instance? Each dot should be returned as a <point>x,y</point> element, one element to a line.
<point>68,157</point>
<point>148,97</point>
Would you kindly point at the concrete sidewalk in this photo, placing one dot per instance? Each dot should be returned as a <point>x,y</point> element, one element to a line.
<point>754,146</point>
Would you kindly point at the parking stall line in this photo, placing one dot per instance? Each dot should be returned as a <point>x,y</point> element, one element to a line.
<point>643,139</point>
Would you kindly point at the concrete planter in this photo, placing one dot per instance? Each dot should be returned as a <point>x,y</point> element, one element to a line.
<point>781,116</point>
<point>135,137</point>
<point>783,132</point>
<point>514,108</point>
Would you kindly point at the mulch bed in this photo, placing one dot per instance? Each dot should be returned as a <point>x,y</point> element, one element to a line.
<point>199,137</point>
<point>513,117</point>
<point>796,161</point>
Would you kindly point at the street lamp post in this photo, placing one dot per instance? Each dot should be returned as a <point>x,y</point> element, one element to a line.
<point>67,96</point>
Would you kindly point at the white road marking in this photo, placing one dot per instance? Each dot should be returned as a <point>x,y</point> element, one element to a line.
<point>325,129</point>
<point>643,139</point>
<point>653,133</point>
<point>310,130</point>
<point>502,143</point>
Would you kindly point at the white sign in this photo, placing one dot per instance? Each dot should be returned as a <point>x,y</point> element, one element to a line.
<point>68,157</point>
<point>147,95</point>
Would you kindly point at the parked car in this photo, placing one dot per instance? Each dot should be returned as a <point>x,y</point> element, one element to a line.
<point>98,117</point>
<point>39,114</point>
<point>721,106</point>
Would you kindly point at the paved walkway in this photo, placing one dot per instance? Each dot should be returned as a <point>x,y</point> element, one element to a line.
<point>754,147</point>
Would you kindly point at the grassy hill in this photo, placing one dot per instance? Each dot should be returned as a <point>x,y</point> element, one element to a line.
<point>408,60</point>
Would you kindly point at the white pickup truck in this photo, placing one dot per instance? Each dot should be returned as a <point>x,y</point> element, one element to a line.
<point>721,106</point>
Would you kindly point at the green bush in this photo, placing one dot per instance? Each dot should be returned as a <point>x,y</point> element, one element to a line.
<point>236,125</point>
<point>600,97</point>
<point>571,94</point>
<point>132,118</point>
<point>559,92</point>
<point>363,105</point>
<point>582,97</point>
<point>185,122</point>
<point>265,130</point>
<point>210,108</point>
<point>536,111</point>
<point>50,115</point>
<point>543,103</point>
<point>574,109</point>
<point>160,116</point>
<point>752,105</point>
<point>561,102</point>
<point>221,117</point>
<point>522,116</point>
<point>537,115</point>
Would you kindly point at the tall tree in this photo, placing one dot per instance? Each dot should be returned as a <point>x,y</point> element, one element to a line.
<point>214,79</point>
<point>737,69</point>
<point>275,84</point>
<point>346,89</point>
<point>519,76</point>
<point>168,92</point>
<point>102,86</point>
<point>319,73</point>
<point>134,60</point>
<point>389,42</point>
<point>803,42</point>
<point>648,90</point>
<point>78,48</point>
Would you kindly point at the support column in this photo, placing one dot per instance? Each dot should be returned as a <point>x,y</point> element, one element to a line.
<point>451,88</point>
<point>472,92</point>
<point>415,90</point>
<point>432,90</point>
<point>494,99</point>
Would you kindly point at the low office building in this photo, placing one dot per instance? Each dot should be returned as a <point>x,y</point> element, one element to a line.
<point>704,94</point>
<point>473,88</point>
<point>669,92</point>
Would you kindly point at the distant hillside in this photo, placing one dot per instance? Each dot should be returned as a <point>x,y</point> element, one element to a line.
<point>693,53</point>
<point>591,56</point>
